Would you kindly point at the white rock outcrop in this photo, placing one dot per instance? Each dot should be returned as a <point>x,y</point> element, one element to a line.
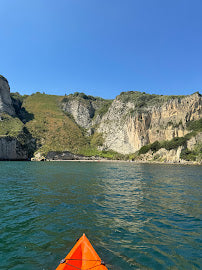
<point>5,99</point>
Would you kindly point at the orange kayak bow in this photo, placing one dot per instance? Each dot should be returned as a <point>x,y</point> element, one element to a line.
<point>82,257</point>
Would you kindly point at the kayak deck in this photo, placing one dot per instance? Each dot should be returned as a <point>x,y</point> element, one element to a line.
<point>82,257</point>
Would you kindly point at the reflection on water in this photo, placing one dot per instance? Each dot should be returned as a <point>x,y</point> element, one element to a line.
<point>137,216</point>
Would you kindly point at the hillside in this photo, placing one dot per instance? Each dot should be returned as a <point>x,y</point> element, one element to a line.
<point>134,125</point>
<point>52,129</point>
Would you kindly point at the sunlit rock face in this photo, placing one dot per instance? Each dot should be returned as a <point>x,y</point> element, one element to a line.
<point>126,133</point>
<point>5,99</point>
<point>126,125</point>
<point>84,110</point>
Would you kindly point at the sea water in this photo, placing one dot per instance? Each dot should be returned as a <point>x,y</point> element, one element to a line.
<point>137,216</point>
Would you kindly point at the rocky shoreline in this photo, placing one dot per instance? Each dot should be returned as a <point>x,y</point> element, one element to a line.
<point>136,162</point>
<point>68,156</point>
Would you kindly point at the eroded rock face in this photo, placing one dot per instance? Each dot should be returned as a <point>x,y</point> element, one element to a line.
<point>194,141</point>
<point>163,155</point>
<point>82,112</point>
<point>114,127</point>
<point>126,133</point>
<point>5,99</point>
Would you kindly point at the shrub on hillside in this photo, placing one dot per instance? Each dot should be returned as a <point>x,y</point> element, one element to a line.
<point>195,125</point>
<point>174,143</point>
<point>97,139</point>
<point>103,109</point>
<point>144,149</point>
<point>188,155</point>
<point>154,147</point>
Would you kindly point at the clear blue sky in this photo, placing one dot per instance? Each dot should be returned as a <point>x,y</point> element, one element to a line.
<point>101,47</point>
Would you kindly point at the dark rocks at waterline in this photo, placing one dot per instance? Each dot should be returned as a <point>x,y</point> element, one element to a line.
<point>66,155</point>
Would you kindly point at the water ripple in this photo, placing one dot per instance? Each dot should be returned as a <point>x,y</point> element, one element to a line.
<point>137,216</point>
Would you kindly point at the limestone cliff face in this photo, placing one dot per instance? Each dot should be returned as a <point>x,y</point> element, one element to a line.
<point>83,109</point>
<point>5,99</point>
<point>127,132</point>
<point>128,124</point>
<point>194,141</point>
<point>82,112</point>
<point>114,127</point>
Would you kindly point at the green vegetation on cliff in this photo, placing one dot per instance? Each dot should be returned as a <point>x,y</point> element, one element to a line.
<point>97,105</point>
<point>168,145</point>
<point>10,126</point>
<point>152,146</point>
<point>193,155</point>
<point>97,139</point>
<point>103,109</point>
<point>195,125</point>
<point>186,154</point>
<point>41,118</point>
<point>82,97</point>
<point>52,128</point>
<point>79,95</point>
<point>142,99</point>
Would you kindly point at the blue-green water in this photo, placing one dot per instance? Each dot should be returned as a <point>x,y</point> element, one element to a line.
<point>137,216</point>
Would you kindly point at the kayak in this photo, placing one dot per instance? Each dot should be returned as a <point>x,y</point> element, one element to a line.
<point>82,257</point>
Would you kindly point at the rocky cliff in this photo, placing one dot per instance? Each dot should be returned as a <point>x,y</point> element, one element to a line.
<point>136,119</point>
<point>16,143</point>
<point>134,125</point>
<point>127,126</point>
<point>87,111</point>
<point>5,99</point>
